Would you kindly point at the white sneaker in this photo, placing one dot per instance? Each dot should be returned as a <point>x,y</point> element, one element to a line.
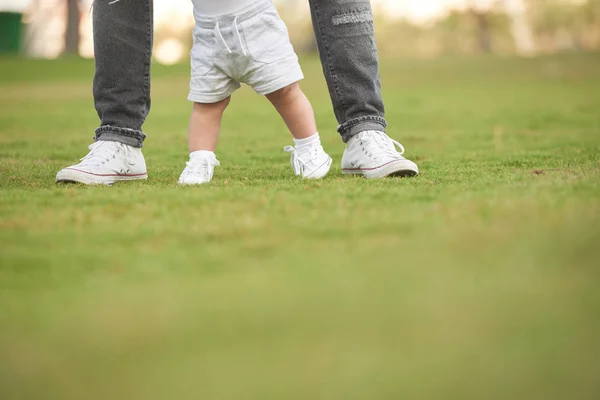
<point>373,154</point>
<point>198,170</point>
<point>311,164</point>
<point>106,163</point>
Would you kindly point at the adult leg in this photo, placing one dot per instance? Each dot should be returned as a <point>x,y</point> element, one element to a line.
<point>346,41</point>
<point>123,33</point>
<point>123,47</point>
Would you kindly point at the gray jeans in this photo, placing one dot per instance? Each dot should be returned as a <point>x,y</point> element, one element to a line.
<point>123,46</point>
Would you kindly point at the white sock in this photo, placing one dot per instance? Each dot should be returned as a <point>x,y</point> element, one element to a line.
<point>202,154</point>
<point>305,144</point>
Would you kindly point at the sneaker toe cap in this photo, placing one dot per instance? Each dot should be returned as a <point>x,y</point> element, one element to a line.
<point>321,171</point>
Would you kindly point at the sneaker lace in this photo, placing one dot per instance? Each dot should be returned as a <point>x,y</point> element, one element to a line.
<point>201,167</point>
<point>298,163</point>
<point>103,151</point>
<point>379,144</point>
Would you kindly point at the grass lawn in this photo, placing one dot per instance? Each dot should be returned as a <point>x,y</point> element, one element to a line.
<point>477,279</point>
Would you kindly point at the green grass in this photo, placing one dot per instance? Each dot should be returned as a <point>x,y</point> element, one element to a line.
<point>478,279</point>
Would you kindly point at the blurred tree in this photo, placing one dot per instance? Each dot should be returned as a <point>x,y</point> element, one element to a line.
<point>590,15</point>
<point>72,32</point>
<point>520,27</point>
<point>561,25</point>
<point>483,30</point>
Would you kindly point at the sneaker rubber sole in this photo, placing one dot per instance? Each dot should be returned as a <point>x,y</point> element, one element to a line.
<point>398,168</point>
<point>69,175</point>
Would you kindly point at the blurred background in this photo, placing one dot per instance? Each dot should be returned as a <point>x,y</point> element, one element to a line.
<point>429,28</point>
<point>477,280</point>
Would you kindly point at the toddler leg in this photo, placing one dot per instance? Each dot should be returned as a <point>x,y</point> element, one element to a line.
<point>205,125</point>
<point>308,157</point>
<point>295,109</point>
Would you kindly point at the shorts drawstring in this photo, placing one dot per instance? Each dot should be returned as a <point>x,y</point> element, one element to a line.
<point>237,31</point>
<point>221,37</point>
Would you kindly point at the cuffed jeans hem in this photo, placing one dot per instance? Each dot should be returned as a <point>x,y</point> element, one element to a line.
<point>130,137</point>
<point>361,124</point>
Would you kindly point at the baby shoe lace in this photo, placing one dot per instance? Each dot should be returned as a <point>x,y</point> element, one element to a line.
<point>201,167</point>
<point>297,162</point>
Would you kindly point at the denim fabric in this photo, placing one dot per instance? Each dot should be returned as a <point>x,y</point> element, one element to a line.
<point>123,47</point>
<point>346,41</point>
